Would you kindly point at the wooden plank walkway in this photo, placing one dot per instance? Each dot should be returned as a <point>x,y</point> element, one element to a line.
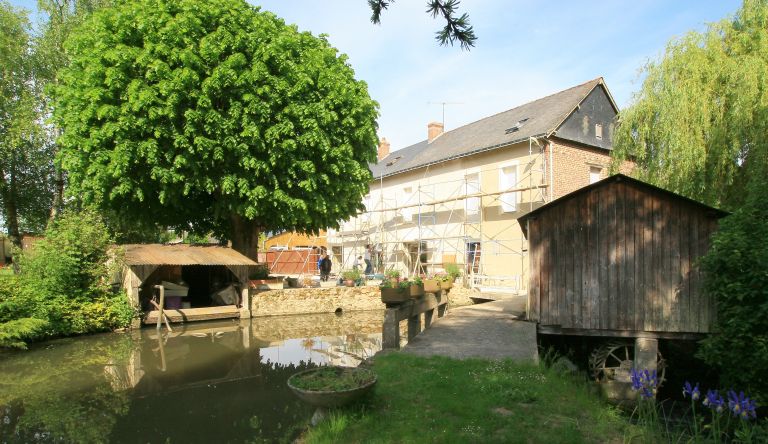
<point>195,314</point>
<point>492,331</point>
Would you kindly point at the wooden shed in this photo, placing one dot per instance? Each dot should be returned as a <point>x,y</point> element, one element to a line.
<point>203,269</point>
<point>619,258</point>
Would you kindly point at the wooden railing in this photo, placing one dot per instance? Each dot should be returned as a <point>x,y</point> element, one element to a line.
<point>412,311</point>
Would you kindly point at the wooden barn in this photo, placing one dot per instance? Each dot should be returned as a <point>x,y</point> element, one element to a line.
<point>618,258</point>
<point>204,271</point>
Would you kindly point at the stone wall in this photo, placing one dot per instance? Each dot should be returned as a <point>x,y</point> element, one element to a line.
<point>290,301</point>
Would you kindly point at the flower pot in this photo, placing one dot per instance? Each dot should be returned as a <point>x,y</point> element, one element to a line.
<point>349,282</point>
<point>394,295</point>
<point>416,290</point>
<point>331,398</point>
<point>447,284</point>
<point>431,285</point>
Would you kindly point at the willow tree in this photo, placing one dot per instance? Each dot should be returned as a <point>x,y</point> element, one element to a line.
<point>212,115</point>
<point>701,116</point>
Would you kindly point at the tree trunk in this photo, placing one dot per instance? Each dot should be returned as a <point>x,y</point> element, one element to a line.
<point>58,194</point>
<point>8,193</point>
<point>245,236</point>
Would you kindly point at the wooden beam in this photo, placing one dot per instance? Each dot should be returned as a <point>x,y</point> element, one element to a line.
<point>195,314</point>
<point>556,330</point>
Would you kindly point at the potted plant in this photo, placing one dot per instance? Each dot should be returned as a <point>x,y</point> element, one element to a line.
<point>446,281</point>
<point>392,275</point>
<point>331,386</point>
<point>350,277</point>
<point>431,284</point>
<point>394,292</point>
<point>416,287</point>
<point>453,271</point>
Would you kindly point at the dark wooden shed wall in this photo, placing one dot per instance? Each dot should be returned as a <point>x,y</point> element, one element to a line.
<point>620,257</point>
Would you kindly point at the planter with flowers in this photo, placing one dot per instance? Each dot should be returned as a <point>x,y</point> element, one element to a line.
<point>395,292</point>
<point>431,284</point>
<point>351,277</point>
<point>446,281</point>
<point>416,287</point>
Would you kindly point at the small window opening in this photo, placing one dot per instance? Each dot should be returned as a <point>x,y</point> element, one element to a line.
<point>599,131</point>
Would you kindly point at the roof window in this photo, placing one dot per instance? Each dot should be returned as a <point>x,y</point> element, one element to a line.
<point>516,126</point>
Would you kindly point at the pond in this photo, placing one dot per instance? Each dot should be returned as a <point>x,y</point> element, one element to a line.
<point>222,381</point>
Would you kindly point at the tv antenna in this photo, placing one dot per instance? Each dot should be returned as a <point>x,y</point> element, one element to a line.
<point>443,105</point>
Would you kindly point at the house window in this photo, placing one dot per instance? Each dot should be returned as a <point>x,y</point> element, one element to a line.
<point>507,181</point>
<point>594,174</point>
<point>599,131</point>
<point>473,187</point>
<point>408,211</point>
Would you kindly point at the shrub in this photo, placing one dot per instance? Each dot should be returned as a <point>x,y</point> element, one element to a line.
<point>64,281</point>
<point>735,276</point>
<point>453,270</point>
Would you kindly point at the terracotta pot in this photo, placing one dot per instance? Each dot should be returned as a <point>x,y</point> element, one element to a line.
<point>431,285</point>
<point>417,290</point>
<point>394,295</point>
<point>349,283</point>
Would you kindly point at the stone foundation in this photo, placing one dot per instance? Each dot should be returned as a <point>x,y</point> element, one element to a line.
<point>291,301</point>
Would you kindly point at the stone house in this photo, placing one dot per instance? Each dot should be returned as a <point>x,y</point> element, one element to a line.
<point>456,196</point>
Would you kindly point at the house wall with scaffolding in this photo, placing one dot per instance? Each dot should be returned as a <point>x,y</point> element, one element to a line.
<point>462,211</point>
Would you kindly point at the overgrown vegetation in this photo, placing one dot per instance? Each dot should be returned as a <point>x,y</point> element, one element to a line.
<point>332,378</point>
<point>63,287</point>
<point>445,400</point>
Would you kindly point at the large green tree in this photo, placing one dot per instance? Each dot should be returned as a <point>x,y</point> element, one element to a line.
<point>701,116</point>
<point>25,158</point>
<point>213,115</point>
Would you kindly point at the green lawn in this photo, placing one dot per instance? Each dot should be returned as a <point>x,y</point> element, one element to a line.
<point>445,400</point>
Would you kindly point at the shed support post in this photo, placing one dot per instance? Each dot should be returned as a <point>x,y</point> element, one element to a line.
<point>428,318</point>
<point>390,329</point>
<point>245,302</point>
<point>646,352</point>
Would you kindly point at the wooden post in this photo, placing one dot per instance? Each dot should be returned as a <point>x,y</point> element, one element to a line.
<point>160,306</point>
<point>646,351</point>
<point>428,318</point>
<point>390,335</point>
<point>414,326</point>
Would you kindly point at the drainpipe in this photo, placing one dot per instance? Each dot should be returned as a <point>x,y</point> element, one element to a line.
<point>551,171</point>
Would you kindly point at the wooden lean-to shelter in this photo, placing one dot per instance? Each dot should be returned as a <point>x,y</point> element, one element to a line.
<point>204,270</point>
<point>619,258</point>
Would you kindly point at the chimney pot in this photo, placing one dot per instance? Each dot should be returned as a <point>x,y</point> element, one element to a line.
<point>383,148</point>
<point>434,129</point>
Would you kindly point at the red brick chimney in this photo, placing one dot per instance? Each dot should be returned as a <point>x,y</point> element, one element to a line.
<point>434,129</point>
<point>383,148</point>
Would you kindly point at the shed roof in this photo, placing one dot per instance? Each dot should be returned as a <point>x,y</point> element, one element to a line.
<point>534,119</point>
<point>160,254</point>
<point>611,180</point>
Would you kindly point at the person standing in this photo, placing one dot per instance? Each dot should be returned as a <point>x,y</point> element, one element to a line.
<point>325,267</point>
<point>367,256</point>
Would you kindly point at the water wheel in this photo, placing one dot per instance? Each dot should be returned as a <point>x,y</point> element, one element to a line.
<point>614,360</point>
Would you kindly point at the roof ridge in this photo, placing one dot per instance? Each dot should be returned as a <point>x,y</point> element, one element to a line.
<point>598,80</point>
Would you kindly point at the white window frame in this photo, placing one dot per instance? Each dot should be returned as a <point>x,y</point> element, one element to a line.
<point>510,199</point>
<point>595,169</point>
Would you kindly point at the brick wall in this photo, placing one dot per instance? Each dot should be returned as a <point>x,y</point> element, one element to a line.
<point>572,164</point>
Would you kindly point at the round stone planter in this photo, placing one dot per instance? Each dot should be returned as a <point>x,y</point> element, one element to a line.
<point>330,398</point>
<point>394,295</point>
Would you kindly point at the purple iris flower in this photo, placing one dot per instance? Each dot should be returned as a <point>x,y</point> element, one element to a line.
<point>714,401</point>
<point>740,405</point>
<point>694,392</point>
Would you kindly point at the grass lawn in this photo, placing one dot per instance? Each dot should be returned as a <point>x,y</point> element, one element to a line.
<point>445,400</point>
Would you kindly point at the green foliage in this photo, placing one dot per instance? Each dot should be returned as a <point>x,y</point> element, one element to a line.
<point>700,119</point>
<point>456,29</point>
<point>352,275</point>
<point>472,400</point>
<point>64,282</point>
<point>15,333</point>
<point>735,276</point>
<point>26,160</point>
<point>260,271</point>
<point>453,270</point>
<point>331,378</point>
<point>213,116</point>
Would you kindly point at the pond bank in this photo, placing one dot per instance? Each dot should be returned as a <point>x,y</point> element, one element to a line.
<point>293,301</point>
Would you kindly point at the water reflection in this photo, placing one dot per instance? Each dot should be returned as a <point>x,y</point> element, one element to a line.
<point>212,382</point>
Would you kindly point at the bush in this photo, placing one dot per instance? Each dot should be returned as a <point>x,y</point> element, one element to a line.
<point>736,277</point>
<point>64,281</point>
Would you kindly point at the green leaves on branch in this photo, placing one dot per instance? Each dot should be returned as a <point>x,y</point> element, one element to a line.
<point>456,29</point>
<point>187,113</point>
<point>698,124</point>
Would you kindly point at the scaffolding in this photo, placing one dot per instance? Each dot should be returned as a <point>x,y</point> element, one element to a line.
<point>438,223</point>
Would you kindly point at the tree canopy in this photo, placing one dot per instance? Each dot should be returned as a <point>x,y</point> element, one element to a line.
<point>698,124</point>
<point>213,115</point>
<point>26,163</point>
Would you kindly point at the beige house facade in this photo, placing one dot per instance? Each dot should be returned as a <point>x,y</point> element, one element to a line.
<point>455,197</point>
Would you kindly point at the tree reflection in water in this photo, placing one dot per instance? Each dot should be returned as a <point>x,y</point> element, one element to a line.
<point>202,383</point>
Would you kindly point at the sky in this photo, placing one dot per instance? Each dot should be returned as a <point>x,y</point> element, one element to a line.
<point>525,50</point>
